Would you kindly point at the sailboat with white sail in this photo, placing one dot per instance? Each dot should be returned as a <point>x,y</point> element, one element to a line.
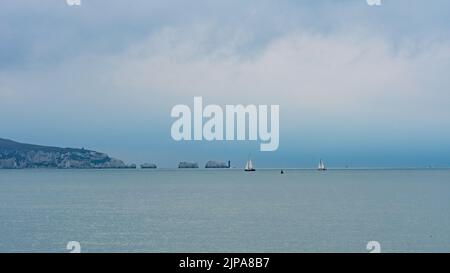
<point>321,166</point>
<point>249,166</point>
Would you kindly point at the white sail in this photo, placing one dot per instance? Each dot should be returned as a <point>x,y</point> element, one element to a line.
<point>249,165</point>
<point>321,166</point>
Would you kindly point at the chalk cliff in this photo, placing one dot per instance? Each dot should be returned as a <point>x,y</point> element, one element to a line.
<point>15,155</point>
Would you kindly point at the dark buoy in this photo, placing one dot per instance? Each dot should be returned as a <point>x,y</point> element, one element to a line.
<point>282,172</point>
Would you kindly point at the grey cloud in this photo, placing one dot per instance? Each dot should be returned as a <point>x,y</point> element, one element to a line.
<point>36,32</point>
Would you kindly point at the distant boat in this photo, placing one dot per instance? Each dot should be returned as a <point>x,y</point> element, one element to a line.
<point>321,166</point>
<point>249,166</point>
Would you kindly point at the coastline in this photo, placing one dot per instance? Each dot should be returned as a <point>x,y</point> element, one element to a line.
<point>241,169</point>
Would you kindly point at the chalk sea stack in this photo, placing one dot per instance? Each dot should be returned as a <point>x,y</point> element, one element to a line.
<point>188,165</point>
<point>217,165</point>
<point>148,166</point>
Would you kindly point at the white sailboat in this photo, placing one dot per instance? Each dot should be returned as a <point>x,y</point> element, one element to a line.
<point>321,166</point>
<point>249,166</point>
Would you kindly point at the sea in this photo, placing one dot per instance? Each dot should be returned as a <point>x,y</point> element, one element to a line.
<point>200,210</point>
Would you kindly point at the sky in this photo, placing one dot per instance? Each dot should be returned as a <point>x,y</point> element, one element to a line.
<point>357,85</point>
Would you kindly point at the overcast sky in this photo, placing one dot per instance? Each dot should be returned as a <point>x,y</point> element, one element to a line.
<point>357,85</point>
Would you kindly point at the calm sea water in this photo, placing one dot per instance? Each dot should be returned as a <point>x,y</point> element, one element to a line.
<point>224,210</point>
